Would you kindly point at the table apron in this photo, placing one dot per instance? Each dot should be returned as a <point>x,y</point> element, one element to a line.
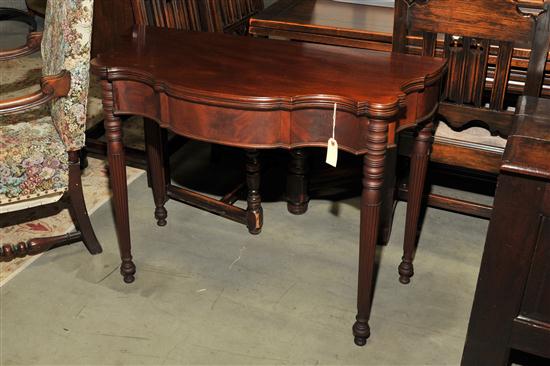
<point>303,127</point>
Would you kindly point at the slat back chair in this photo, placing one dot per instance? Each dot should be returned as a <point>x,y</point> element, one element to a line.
<point>42,132</point>
<point>179,14</point>
<point>473,35</point>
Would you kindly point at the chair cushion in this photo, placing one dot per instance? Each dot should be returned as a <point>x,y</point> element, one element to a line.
<point>33,160</point>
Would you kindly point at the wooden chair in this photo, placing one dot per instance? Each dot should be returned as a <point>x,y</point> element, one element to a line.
<point>41,133</point>
<point>481,39</point>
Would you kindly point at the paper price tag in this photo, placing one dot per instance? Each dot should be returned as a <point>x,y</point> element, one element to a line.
<point>332,152</point>
<point>332,145</point>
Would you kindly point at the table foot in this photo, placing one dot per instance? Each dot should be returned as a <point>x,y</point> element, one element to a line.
<point>297,209</point>
<point>160,215</point>
<point>361,332</point>
<point>406,271</point>
<point>128,270</point>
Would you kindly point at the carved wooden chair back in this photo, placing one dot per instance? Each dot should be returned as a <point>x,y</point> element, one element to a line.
<point>485,41</point>
<point>179,14</point>
<point>228,16</point>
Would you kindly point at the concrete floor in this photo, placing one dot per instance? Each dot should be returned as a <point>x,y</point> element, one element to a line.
<point>207,292</point>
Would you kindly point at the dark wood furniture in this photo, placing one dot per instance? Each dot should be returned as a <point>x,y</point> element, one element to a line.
<point>112,18</point>
<point>247,102</point>
<point>327,22</point>
<point>473,32</point>
<point>511,308</point>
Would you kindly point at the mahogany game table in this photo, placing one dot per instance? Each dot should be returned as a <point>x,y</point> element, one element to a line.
<point>258,93</point>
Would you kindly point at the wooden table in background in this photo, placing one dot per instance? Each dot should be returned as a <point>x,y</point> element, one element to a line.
<point>327,22</point>
<point>177,80</point>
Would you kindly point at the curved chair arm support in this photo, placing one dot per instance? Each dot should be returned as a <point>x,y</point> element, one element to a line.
<point>51,87</point>
<point>32,45</point>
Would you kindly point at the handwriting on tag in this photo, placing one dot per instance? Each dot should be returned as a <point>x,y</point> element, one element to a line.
<point>332,152</point>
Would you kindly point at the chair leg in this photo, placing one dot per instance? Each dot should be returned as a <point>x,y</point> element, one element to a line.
<point>78,205</point>
<point>83,158</point>
<point>297,183</point>
<point>156,139</point>
<point>34,246</point>
<point>419,165</point>
<point>253,199</point>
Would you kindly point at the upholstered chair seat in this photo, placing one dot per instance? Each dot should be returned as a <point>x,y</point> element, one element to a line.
<point>33,163</point>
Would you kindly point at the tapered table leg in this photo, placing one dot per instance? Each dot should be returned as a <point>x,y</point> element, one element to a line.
<point>156,139</point>
<point>254,211</point>
<point>297,182</point>
<point>371,202</point>
<point>419,165</point>
<point>117,170</point>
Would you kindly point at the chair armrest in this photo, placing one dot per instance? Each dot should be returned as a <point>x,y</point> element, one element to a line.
<point>32,45</point>
<point>50,87</point>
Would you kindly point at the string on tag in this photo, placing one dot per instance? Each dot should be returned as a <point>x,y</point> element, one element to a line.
<point>332,144</point>
<point>334,121</point>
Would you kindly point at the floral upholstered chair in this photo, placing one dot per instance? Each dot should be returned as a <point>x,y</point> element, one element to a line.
<point>42,132</point>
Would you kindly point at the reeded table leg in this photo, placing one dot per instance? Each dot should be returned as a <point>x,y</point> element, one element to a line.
<point>155,138</point>
<point>254,214</point>
<point>371,202</point>
<point>419,165</point>
<point>296,182</point>
<point>117,170</point>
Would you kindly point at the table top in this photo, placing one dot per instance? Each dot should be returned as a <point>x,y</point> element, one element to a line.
<point>329,18</point>
<point>528,145</point>
<point>262,73</point>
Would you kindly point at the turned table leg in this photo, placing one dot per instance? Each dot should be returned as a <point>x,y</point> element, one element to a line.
<point>419,165</point>
<point>296,182</point>
<point>254,211</point>
<point>117,171</point>
<point>371,202</point>
<point>155,138</point>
